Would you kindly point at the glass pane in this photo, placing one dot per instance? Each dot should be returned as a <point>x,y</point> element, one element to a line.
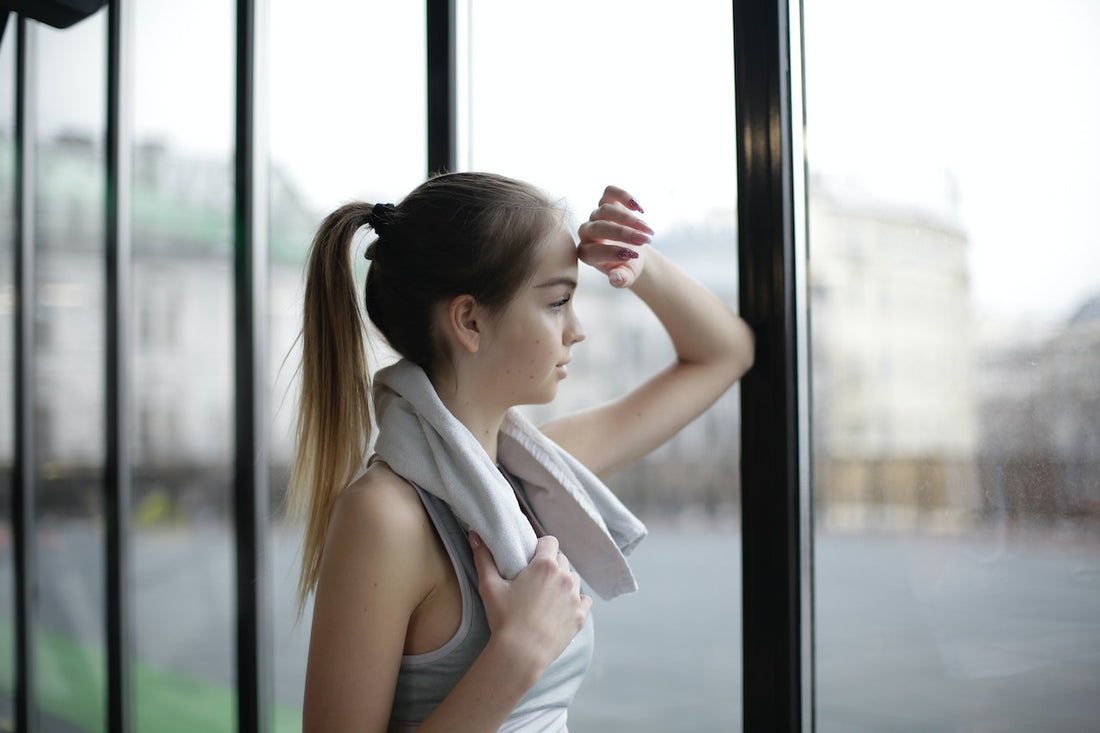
<point>7,370</point>
<point>347,121</point>
<point>69,205</point>
<point>182,365</point>
<point>955,336</point>
<point>574,96</point>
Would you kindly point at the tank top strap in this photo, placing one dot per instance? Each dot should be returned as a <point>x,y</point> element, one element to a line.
<point>424,680</point>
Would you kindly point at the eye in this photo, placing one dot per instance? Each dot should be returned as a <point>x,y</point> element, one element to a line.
<point>560,303</point>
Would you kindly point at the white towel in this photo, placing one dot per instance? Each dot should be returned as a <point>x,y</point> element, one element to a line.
<point>423,442</point>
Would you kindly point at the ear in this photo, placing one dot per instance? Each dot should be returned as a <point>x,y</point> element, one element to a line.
<point>465,321</point>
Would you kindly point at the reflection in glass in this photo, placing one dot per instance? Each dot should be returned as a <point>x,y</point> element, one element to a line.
<point>955,337</point>
<point>347,120</point>
<point>573,97</point>
<point>182,361</point>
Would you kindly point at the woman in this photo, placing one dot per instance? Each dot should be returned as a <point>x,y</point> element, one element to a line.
<point>443,600</point>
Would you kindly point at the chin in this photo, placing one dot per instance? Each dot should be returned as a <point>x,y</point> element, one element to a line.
<point>546,396</point>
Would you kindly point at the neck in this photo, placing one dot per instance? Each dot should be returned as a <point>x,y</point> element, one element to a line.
<point>472,411</point>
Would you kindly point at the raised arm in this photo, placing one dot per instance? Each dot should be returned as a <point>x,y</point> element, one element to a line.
<point>714,347</point>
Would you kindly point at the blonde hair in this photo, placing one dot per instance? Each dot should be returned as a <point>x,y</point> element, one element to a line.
<point>333,425</point>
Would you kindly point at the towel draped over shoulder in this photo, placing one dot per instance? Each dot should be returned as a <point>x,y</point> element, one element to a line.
<point>423,442</point>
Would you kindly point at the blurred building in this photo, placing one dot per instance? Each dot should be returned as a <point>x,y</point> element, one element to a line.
<point>182,327</point>
<point>895,432</point>
<point>182,335</point>
<point>1040,410</point>
<point>920,420</point>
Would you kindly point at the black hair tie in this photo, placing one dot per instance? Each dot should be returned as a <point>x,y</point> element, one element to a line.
<point>380,218</point>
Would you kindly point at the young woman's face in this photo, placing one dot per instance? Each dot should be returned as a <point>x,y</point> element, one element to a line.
<point>531,341</point>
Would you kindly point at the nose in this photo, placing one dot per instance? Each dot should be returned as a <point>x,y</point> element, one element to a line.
<point>574,334</point>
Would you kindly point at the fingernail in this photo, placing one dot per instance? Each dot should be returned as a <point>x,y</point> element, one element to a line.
<point>637,237</point>
<point>633,204</point>
<point>616,279</point>
<point>626,254</point>
<point>475,540</point>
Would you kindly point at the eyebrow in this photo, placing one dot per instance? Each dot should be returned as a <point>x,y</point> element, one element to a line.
<point>568,281</point>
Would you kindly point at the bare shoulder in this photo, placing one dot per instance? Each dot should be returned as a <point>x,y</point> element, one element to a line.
<point>381,537</point>
<point>374,574</point>
<point>380,499</point>
<point>382,513</point>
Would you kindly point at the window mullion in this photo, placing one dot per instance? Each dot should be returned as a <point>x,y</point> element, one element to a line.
<point>774,526</point>
<point>442,120</point>
<point>25,469</point>
<point>118,459</point>
<point>251,479</point>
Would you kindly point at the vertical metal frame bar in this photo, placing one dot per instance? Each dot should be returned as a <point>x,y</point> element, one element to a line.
<point>801,252</point>
<point>774,529</point>
<point>117,485</point>
<point>25,469</point>
<point>442,119</point>
<point>463,40</point>
<point>251,481</point>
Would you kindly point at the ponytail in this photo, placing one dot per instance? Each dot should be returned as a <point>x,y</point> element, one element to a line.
<point>333,428</point>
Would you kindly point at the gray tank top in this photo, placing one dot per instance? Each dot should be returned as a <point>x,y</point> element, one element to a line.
<point>425,679</point>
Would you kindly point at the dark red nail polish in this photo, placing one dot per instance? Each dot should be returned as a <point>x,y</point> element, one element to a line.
<point>633,204</point>
<point>627,254</point>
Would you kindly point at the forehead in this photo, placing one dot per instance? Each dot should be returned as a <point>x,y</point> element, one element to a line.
<point>557,254</point>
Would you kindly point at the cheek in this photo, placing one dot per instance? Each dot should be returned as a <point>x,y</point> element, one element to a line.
<point>535,357</point>
<point>534,353</point>
<point>532,350</point>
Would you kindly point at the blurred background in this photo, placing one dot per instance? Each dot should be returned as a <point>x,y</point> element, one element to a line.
<point>954,296</point>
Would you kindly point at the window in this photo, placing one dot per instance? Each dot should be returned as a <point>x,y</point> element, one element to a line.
<point>69,395</point>
<point>956,532</point>
<point>953,343</point>
<point>181,363</point>
<point>347,118</point>
<point>571,97</point>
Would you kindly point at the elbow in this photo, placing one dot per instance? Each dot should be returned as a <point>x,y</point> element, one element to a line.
<point>741,351</point>
<point>728,354</point>
<point>740,366</point>
<point>749,355</point>
<point>744,364</point>
<point>729,363</point>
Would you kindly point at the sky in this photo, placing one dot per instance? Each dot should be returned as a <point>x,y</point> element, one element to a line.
<point>994,101</point>
<point>1001,96</point>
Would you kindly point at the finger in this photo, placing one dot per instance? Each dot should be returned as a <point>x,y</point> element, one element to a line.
<point>563,562</point>
<point>609,231</point>
<point>614,261</point>
<point>621,277</point>
<point>547,545</point>
<point>601,256</point>
<point>486,566</point>
<point>619,215</point>
<point>614,193</point>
